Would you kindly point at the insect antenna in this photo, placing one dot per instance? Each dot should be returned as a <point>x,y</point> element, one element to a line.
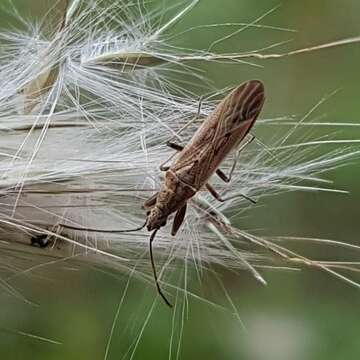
<point>152,236</point>
<point>248,198</point>
<point>103,230</point>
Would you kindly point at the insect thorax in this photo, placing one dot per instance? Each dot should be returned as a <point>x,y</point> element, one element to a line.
<point>174,192</point>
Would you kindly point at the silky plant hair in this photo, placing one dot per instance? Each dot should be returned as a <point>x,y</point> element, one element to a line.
<point>89,96</point>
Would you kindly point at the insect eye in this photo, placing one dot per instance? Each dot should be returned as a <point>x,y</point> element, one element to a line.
<point>148,213</point>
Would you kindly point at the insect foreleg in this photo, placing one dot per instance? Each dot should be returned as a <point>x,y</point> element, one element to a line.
<point>178,220</point>
<point>163,166</point>
<point>150,202</point>
<point>218,197</point>
<point>227,178</point>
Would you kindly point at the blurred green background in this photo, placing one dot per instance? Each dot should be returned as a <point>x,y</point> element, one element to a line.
<point>300,315</point>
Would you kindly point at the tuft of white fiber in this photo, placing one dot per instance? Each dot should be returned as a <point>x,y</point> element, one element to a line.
<point>89,97</point>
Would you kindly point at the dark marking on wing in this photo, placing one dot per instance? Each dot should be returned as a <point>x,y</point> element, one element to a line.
<point>222,143</point>
<point>223,130</point>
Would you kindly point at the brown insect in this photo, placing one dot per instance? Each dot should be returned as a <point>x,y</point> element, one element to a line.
<point>221,132</point>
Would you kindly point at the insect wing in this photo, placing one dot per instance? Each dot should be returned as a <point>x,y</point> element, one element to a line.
<point>223,130</point>
<point>239,110</point>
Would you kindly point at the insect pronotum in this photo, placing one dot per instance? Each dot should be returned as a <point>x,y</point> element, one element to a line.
<point>222,131</point>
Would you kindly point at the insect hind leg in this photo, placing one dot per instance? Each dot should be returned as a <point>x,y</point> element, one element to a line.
<point>227,178</point>
<point>218,197</point>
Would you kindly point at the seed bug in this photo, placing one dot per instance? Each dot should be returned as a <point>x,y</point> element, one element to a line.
<point>222,131</point>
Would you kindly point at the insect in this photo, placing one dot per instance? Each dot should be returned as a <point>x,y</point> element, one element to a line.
<point>220,133</point>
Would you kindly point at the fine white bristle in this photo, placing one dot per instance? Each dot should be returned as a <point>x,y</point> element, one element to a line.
<point>86,107</point>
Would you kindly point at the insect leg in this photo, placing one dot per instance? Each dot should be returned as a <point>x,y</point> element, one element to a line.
<point>227,178</point>
<point>178,220</point>
<point>163,166</point>
<point>196,117</point>
<point>201,99</point>
<point>150,202</point>
<point>198,113</point>
<point>152,236</point>
<point>218,197</point>
<point>174,146</point>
